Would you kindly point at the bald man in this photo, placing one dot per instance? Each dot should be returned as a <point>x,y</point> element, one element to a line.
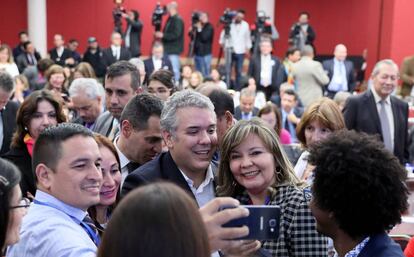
<point>340,72</point>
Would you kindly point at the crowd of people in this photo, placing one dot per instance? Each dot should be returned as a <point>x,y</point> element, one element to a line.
<point>106,154</point>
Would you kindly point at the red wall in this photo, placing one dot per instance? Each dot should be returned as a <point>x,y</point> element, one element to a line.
<point>354,23</point>
<point>13,19</point>
<point>381,26</point>
<point>94,18</point>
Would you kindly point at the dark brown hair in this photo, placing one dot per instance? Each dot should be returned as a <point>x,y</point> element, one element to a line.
<point>28,108</point>
<point>269,108</point>
<point>164,218</point>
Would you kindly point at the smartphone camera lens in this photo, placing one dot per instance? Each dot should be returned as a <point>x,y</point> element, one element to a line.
<point>272,223</point>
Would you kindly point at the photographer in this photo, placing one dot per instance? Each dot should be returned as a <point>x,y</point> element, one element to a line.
<point>132,35</point>
<point>202,33</point>
<point>301,33</point>
<point>173,37</point>
<point>240,42</point>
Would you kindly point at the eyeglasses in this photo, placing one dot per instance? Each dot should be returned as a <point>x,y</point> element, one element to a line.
<point>24,203</point>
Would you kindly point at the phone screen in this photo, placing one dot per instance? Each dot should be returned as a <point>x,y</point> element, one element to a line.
<point>263,222</point>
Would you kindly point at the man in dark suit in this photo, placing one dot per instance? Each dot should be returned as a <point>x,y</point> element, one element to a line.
<point>156,61</point>
<point>188,127</point>
<point>140,138</point>
<point>340,72</point>
<point>8,112</point>
<point>132,36</point>
<point>61,55</point>
<point>18,50</point>
<point>122,82</point>
<point>291,113</point>
<point>376,111</point>
<point>246,110</point>
<point>29,57</point>
<point>116,52</point>
<point>266,69</point>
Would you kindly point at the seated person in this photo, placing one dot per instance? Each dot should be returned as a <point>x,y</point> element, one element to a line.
<point>246,110</point>
<point>358,194</point>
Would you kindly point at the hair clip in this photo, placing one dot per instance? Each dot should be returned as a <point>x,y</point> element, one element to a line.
<point>4,181</point>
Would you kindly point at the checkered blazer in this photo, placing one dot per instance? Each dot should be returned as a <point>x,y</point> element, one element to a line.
<point>297,233</point>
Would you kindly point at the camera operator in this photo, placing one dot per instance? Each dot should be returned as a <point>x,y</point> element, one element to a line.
<point>241,43</point>
<point>301,33</point>
<point>132,35</point>
<point>263,27</point>
<point>202,33</point>
<point>173,37</point>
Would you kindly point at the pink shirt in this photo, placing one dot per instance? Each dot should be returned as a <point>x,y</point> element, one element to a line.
<point>284,137</point>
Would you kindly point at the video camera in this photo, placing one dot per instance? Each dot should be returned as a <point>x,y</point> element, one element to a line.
<point>227,16</point>
<point>195,17</point>
<point>157,16</point>
<point>117,16</point>
<point>262,23</point>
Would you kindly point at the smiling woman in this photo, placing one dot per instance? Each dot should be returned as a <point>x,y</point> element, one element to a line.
<point>109,193</point>
<point>38,111</point>
<point>255,170</point>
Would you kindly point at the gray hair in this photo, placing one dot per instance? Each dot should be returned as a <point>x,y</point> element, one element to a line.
<point>6,82</point>
<point>378,66</point>
<point>285,86</point>
<point>138,63</point>
<point>89,87</point>
<point>341,97</point>
<point>182,99</point>
<point>307,50</point>
<point>247,92</point>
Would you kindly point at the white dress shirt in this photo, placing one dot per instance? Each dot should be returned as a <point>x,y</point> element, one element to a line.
<point>240,38</point>
<point>266,64</point>
<point>124,161</point>
<point>157,63</point>
<point>116,51</point>
<point>205,191</point>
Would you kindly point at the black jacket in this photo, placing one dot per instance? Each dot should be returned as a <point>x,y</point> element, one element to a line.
<point>60,60</point>
<point>8,116</point>
<point>149,67</point>
<point>109,59</point>
<point>96,61</point>
<point>22,159</point>
<point>173,38</point>
<point>204,40</point>
<point>134,36</point>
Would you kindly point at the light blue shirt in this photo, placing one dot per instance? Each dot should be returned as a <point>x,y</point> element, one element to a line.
<point>339,81</point>
<point>52,228</point>
<point>291,129</point>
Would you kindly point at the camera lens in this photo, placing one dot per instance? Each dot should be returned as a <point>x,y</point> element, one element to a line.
<point>272,223</point>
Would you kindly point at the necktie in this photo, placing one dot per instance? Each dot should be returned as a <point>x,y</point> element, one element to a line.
<point>131,166</point>
<point>90,228</point>
<point>385,127</point>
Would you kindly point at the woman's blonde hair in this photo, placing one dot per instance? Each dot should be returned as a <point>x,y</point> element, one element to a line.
<point>325,111</point>
<point>284,173</point>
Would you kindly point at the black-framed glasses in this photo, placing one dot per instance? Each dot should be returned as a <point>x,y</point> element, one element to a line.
<point>24,203</point>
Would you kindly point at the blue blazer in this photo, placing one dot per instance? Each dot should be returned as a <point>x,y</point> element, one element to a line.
<point>381,245</point>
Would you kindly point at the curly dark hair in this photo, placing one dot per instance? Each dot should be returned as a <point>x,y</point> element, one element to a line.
<point>360,182</point>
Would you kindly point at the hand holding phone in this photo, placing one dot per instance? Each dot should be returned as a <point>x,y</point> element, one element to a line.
<point>263,222</point>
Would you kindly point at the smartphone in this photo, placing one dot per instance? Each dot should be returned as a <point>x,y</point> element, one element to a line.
<point>263,222</point>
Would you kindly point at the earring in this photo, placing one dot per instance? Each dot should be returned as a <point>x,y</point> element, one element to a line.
<point>25,128</point>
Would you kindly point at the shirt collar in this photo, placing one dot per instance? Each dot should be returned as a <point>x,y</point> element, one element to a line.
<point>209,177</point>
<point>122,158</point>
<point>378,98</point>
<point>358,248</point>
<point>49,200</point>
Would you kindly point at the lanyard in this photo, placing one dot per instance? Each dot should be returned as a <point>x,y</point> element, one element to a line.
<point>94,236</point>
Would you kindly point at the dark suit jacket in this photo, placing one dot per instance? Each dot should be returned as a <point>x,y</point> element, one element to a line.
<point>328,65</point>
<point>21,158</point>
<point>134,36</point>
<point>203,40</point>
<point>161,168</point>
<point>9,125</point>
<point>173,38</point>
<point>149,66</point>
<point>109,59</point>
<point>295,30</point>
<point>96,60</point>
<point>361,114</point>
<point>65,55</point>
<point>277,75</point>
<point>238,114</point>
<point>381,246</point>
<point>22,61</point>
